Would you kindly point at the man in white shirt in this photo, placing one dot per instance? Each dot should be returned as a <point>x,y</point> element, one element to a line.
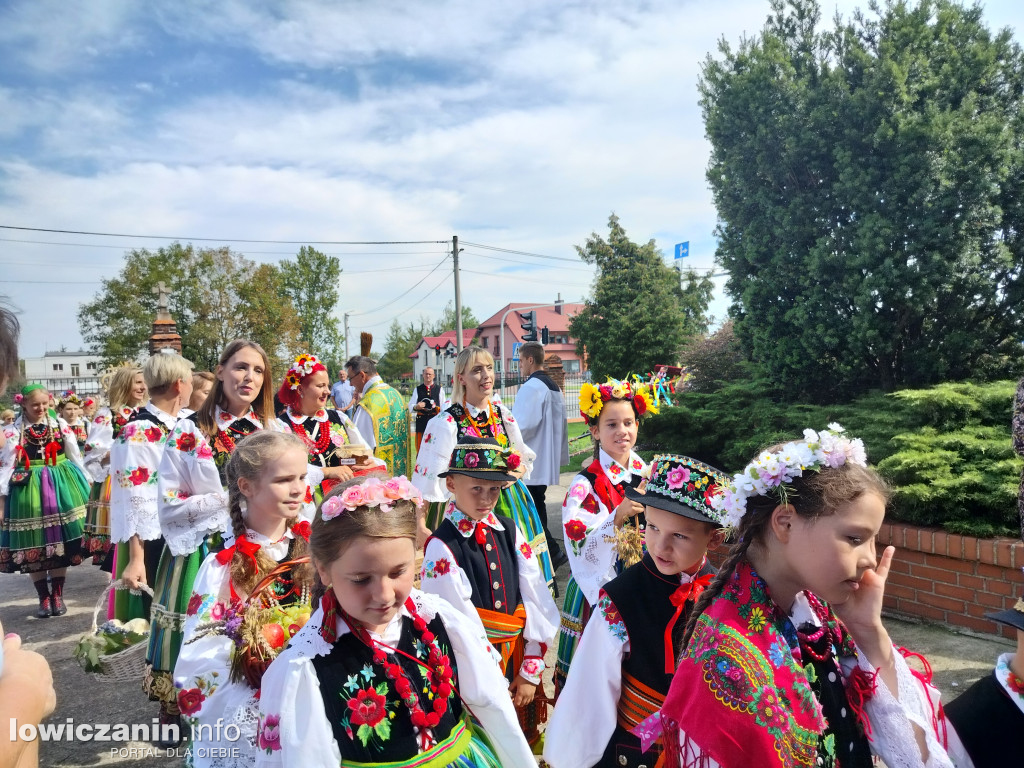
<point>428,399</point>
<point>342,392</point>
<point>540,411</point>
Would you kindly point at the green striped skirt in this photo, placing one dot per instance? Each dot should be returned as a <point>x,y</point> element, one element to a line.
<point>575,615</point>
<point>97,522</point>
<point>465,747</point>
<point>41,526</point>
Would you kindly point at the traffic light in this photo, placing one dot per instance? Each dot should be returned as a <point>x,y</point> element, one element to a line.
<point>528,322</point>
<point>544,335</point>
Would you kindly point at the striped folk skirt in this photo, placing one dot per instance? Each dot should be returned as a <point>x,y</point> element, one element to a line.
<point>41,527</point>
<point>97,522</point>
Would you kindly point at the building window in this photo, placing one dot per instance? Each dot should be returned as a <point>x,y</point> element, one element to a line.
<point>571,366</point>
<point>90,366</point>
<point>483,342</point>
<point>58,366</point>
<point>75,370</point>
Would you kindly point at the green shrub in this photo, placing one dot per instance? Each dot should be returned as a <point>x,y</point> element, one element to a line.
<point>946,449</point>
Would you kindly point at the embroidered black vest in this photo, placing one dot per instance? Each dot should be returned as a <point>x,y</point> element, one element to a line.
<point>117,421</point>
<point>221,453</point>
<point>642,597</point>
<point>144,415</point>
<point>492,570</point>
<point>34,448</point>
<point>460,415</point>
<point>348,673</point>
<point>314,429</point>
<point>434,393</point>
<point>988,723</point>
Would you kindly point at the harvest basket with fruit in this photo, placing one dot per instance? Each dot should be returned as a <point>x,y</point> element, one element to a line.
<point>259,626</point>
<point>115,651</point>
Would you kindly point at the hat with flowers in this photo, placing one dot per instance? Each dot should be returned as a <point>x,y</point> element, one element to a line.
<point>593,397</point>
<point>69,397</point>
<point>303,366</point>
<point>683,486</point>
<point>372,492</point>
<point>484,459</point>
<point>771,471</point>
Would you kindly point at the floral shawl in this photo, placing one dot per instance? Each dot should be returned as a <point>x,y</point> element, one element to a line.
<point>739,692</point>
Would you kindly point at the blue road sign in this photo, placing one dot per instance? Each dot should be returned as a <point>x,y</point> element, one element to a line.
<point>515,349</point>
<point>682,250</point>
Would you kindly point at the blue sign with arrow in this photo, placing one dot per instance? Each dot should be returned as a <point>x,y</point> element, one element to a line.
<point>682,250</point>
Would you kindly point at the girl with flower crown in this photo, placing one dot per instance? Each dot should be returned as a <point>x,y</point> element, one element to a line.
<point>126,393</point>
<point>383,674</point>
<point>602,527</point>
<point>43,490</point>
<point>193,501</point>
<point>786,661</point>
<point>247,599</point>
<point>69,408</point>
<point>473,412</point>
<point>322,430</point>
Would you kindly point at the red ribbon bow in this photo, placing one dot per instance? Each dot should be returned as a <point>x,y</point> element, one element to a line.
<point>20,454</point>
<point>243,545</point>
<point>684,592</point>
<point>480,532</point>
<point>50,453</point>
<point>301,528</point>
<point>329,625</point>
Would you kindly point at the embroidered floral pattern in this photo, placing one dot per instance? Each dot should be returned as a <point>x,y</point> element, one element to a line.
<point>612,616</point>
<point>433,569</point>
<point>677,477</point>
<point>193,604</point>
<point>186,443</point>
<point>190,701</point>
<point>269,731</point>
<point>131,477</point>
<point>524,548</point>
<point>576,532</point>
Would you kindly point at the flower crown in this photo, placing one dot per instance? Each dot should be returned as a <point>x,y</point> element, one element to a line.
<point>771,471</point>
<point>371,493</point>
<point>593,398</point>
<point>303,366</point>
<point>69,397</point>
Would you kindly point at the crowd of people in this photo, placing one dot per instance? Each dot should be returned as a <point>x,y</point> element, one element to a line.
<point>352,578</point>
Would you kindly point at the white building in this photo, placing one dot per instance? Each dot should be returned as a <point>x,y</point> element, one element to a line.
<point>439,352</point>
<point>60,371</point>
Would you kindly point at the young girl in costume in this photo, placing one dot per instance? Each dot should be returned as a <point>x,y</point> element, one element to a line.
<point>126,393</point>
<point>786,660</point>
<point>480,563</point>
<point>600,533</point>
<point>472,412</point>
<point>227,625</point>
<point>135,471</point>
<point>202,384</point>
<point>323,431</point>
<point>193,502</point>
<point>44,492</point>
<point>69,408</point>
<point>383,674</point>
<point>623,666</point>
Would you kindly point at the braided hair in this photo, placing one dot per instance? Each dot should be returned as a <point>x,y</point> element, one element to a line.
<point>814,495</point>
<point>252,457</point>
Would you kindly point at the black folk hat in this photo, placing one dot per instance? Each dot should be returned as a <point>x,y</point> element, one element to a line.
<point>683,486</point>
<point>1013,617</point>
<point>484,459</point>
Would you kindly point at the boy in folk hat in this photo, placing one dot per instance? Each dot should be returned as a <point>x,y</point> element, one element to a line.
<point>623,666</point>
<point>988,717</point>
<point>481,563</point>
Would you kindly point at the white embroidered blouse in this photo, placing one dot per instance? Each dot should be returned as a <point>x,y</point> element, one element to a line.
<point>441,575</point>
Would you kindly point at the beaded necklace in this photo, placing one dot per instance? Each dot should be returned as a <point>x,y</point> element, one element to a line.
<point>476,429</point>
<point>323,436</point>
<point>439,670</point>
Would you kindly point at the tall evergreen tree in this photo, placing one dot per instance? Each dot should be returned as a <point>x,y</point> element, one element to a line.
<point>313,283</point>
<point>640,313</point>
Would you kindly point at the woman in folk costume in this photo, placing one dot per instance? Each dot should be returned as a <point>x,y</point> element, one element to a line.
<point>247,600</point>
<point>786,660</point>
<point>126,393</point>
<point>69,408</point>
<point>322,430</point>
<point>623,666</point>
<point>603,528</point>
<point>480,563</point>
<point>193,503</point>
<point>44,492</point>
<point>383,674</point>
<point>472,412</point>
<point>135,472</point>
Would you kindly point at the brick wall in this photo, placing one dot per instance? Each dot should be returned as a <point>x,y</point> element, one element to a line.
<point>950,579</point>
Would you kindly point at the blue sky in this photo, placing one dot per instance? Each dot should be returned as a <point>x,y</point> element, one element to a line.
<point>516,125</point>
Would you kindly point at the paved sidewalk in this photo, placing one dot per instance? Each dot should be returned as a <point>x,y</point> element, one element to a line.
<point>957,660</point>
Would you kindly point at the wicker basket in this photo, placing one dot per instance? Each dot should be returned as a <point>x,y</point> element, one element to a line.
<point>128,665</point>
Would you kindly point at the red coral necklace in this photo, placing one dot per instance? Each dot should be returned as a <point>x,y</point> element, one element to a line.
<point>323,437</point>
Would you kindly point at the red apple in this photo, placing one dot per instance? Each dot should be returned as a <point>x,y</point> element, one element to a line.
<point>274,635</point>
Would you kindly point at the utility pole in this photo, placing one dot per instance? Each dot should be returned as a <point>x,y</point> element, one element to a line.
<point>458,295</point>
<point>346,337</point>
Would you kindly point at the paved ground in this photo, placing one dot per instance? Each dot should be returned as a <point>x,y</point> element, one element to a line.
<point>957,661</point>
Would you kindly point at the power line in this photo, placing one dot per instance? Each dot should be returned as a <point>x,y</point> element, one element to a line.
<point>385,306</point>
<point>264,253</point>
<point>226,239</point>
<point>411,306</point>
<point>516,277</point>
<point>521,253</point>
